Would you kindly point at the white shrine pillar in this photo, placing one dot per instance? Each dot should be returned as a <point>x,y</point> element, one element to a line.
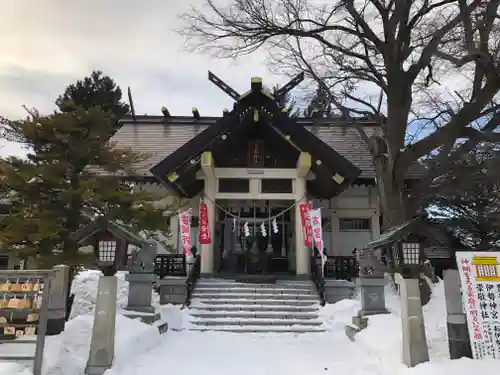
<point>302,255</point>
<point>207,250</point>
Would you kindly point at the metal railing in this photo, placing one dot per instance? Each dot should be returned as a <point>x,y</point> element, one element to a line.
<point>194,275</point>
<point>340,267</point>
<point>317,278</point>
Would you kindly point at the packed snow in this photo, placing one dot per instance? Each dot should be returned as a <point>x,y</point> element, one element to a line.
<point>139,348</point>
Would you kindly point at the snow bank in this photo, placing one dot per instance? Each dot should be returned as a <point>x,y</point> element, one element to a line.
<point>85,289</point>
<point>68,352</point>
<point>10,368</point>
<point>389,327</point>
<point>464,366</point>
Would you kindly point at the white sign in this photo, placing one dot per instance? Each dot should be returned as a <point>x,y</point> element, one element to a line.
<point>317,234</point>
<point>480,280</point>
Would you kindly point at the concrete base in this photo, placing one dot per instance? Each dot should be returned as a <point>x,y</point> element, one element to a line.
<point>102,344</point>
<point>337,290</point>
<point>172,290</point>
<point>148,318</point>
<point>140,291</point>
<point>458,340</point>
<point>372,295</point>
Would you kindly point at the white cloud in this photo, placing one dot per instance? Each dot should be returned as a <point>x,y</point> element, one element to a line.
<point>49,44</point>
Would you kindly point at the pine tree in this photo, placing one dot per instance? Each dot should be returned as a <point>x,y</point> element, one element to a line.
<point>95,90</point>
<point>71,168</point>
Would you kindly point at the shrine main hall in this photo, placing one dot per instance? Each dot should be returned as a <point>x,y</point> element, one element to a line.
<point>252,167</point>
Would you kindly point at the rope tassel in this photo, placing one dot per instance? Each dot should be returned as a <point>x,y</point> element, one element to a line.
<point>275,226</point>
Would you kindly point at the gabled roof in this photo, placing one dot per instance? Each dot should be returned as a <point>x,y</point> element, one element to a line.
<point>102,224</point>
<point>257,110</point>
<point>161,136</point>
<point>434,232</point>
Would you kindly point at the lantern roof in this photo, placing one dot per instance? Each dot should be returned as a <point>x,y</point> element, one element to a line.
<point>102,224</point>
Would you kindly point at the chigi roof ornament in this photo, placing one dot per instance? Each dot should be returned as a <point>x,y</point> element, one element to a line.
<point>131,102</point>
<point>256,85</point>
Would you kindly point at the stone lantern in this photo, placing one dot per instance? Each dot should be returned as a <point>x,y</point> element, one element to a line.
<point>110,241</point>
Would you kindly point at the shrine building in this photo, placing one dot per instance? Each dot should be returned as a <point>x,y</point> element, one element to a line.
<point>252,166</point>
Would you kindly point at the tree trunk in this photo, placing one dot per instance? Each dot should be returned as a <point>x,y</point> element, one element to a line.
<point>74,214</point>
<point>392,197</point>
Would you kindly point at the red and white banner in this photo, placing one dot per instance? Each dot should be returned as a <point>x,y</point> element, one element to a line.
<point>204,233</point>
<point>304,209</point>
<point>185,224</point>
<point>315,216</point>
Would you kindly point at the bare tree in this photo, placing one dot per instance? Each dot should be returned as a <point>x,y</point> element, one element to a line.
<point>405,63</point>
<point>467,196</point>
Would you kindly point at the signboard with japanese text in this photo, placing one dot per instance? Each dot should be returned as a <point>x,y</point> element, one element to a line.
<point>480,281</point>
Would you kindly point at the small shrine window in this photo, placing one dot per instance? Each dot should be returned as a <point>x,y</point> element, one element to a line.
<point>255,154</point>
<point>354,224</point>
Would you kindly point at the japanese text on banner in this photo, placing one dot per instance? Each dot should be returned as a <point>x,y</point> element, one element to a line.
<point>317,230</point>
<point>204,230</point>
<point>304,209</point>
<point>315,217</point>
<point>185,224</point>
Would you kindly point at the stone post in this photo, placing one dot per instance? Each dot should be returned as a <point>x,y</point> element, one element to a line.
<point>456,322</point>
<point>102,344</point>
<point>415,349</point>
<point>372,295</point>
<point>141,277</point>
<point>140,290</point>
<point>371,282</point>
<point>56,316</point>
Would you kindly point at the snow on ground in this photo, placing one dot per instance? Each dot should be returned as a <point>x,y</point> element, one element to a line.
<point>140,349</point>
<point>85,289</point>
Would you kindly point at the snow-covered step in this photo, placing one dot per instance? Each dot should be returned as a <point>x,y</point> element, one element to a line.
<point>259,301</point>
<point>252,314</point>
<point>260,329</point>
<point>225,305</point>
<point>221,283</point>
<point>245,289</point>
<point>255,322</point>
<point>253,308</point>
<point>256,295</point>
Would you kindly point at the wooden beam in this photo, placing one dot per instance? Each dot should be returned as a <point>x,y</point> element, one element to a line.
<point>303,164</point>
<point>207,164</point>
<point>223,86</point>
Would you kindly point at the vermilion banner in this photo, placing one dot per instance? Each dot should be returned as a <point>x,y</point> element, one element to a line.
<point>204,233</point>
<point>306,223</point>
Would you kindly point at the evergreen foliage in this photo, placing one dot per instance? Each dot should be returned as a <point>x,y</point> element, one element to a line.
<point>71,174</point>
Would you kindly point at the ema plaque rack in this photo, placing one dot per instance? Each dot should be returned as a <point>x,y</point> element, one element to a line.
<point>24,303</point>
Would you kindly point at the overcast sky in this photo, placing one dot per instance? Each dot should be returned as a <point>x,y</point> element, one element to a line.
<point>46,45</point>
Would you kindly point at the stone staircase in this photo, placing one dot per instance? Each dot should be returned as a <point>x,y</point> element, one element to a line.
<point>231,306</point>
